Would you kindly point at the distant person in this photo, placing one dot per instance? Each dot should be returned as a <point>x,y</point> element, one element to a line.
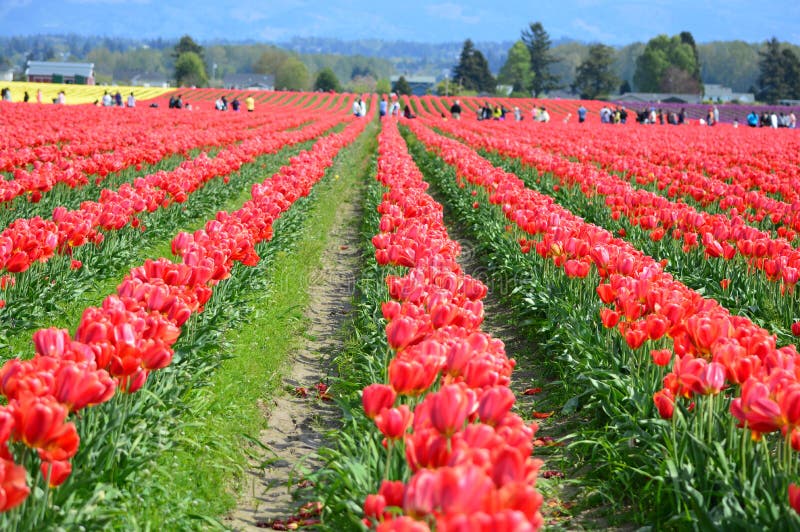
<point>773,120</point>
<point>716,114</point>
<point>407,112</point>
<point>752,119</point>
<point>61,99</point>
<point>394,109</point>
<point>131,100</point>
<point>383,107</point>
<point>455,110</point>
<point>517,114</point>
<point>735,122</point>
<point>623,115</point>
<point>357,107</point>
<point>107,99</point>
<point>581,114</point>
<point>118,99</point>
<point>544,116</point>
<point>792,120</point>
<point>682,116</point>
<point>179,102</point>
<point>26,97</point>
<point>250,103</point>
<point>38,95</point>
<point>235,104</point>
<point>6,94</point>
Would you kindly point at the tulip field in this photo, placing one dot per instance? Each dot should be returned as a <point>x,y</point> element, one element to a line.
<point>550,326</point>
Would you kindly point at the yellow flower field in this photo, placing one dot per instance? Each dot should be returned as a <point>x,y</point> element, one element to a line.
<point>76,94</point>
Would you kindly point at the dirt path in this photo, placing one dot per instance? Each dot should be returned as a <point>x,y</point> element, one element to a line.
<point>296,423</point>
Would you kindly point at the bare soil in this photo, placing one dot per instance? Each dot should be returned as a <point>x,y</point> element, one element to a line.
<point>298,417</point>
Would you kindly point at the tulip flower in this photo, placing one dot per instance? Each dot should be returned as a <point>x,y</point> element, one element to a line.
<point>393,422</point>
<point>376,397</point>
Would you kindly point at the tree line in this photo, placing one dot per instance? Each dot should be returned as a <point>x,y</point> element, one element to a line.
<point>117,60</point>
<point>666,64</point>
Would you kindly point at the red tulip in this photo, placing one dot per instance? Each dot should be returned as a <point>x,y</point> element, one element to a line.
<point>661,357</point>
<point>450,408</point>
<point>665,403</point>
<point>401,332</point>
<point>393,422</point>
<point>55,473</point>
<point>794,497</point>
<point>13,488</point>
<point>376,397</point>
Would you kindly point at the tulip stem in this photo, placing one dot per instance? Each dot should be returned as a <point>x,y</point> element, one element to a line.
<point>389,448</point>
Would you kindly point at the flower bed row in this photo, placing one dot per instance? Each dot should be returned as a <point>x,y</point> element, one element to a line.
<point>27,241</point>
<point>720,236</point>
<point>736,189</point>
<point>196,130</point>
<point>447,402</point>
<point>712,350</point>
<point>118,344</point>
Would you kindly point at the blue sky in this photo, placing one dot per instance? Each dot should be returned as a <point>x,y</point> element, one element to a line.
<point>615,23</point>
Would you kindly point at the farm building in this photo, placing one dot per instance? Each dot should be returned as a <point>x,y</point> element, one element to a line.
<point>55,72</point>
<point>249,82</point>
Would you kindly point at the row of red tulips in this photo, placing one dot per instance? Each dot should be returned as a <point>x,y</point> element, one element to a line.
<point>739,190</point>
<point>118,344</point>
<point>712,349</point>
<point>468,455</point>
<point>169,136</point>
<point>26,241</point>
<point>719,235</point>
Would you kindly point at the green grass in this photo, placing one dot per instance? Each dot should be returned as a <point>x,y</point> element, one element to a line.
<point>227,413</point>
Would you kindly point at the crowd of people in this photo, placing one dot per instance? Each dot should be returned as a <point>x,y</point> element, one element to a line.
<point>772,119</point>
<point>5,95</point>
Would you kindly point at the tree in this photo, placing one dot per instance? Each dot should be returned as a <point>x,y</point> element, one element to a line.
<point>791,69</point>
<point>401,86</point>
<point>517,69</point>
<point>772,79</point>
<point>686,37</point>
<point>269,61</point>
<point>625,88</point>
<point>538,42</point>
<point>190,70</point>
<point>292,75</point>
<point>472,70</point>
<point>661,53</point>
<point>780,73</point>
<point>187,44</point>
<point>327,81</point>
<point>595,77</point>
<point>383,86</point>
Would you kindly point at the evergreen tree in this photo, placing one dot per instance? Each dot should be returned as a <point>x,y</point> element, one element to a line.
<point>791,70</point>
<point>625,88</point>
<point>517,69</point>
<point>401,86</point>
<point>538,42</point>
<point>187,44</point>
<point>472,70</point>
<point>327,81</point>
<point>595,76</point>
<point>772,80</point>
<point>687,38</point>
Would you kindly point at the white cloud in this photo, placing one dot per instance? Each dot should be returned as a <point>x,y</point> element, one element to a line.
<point>450,11</point>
